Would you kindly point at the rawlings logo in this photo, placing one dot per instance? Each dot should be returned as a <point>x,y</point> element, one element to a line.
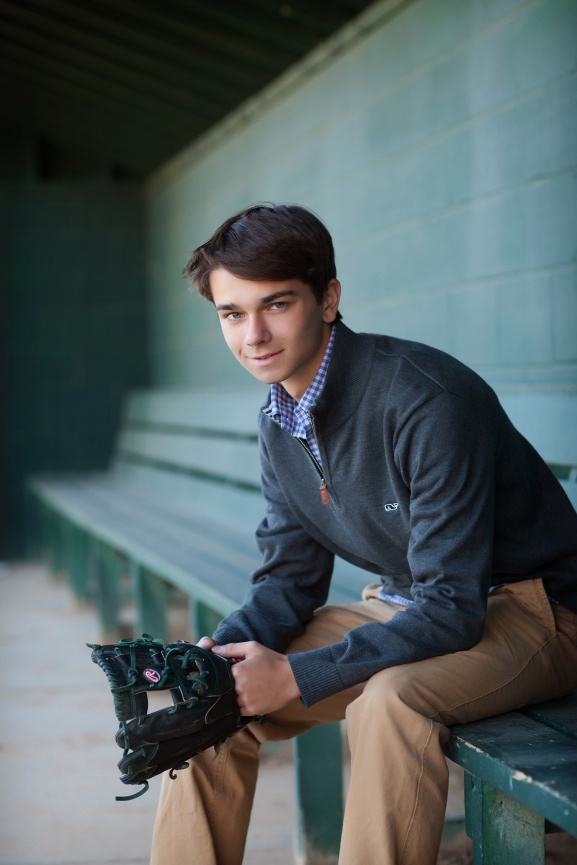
<point>152,676</point>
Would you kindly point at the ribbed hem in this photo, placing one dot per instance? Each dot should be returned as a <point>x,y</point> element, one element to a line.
<point>224,635</point>
<point>316,675</point>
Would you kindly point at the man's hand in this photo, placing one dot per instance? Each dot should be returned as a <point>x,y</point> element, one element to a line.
<point>263,679</point>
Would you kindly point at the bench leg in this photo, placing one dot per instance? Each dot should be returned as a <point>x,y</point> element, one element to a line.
<point>503,831</point>
<point>77,561</point>
<point>203,619</point>
<point>32,527</point>
<point>53,532</point>
<point>151,595</point>
<point>105,572</point>
<point>319,791</point>
<point>46,551</point>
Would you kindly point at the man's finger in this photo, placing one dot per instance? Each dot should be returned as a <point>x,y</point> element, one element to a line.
<point>235,651</point>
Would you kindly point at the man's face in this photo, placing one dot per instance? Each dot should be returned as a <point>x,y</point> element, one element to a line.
<point>276,330</point>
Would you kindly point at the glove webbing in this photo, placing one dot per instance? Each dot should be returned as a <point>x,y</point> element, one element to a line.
<point>111,671</point>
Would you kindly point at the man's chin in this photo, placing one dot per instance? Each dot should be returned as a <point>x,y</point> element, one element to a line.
<point>266,377</point>
<point>267,373</point>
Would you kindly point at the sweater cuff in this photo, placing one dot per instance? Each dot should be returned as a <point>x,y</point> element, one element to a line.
<point>316,675</point>
<point>224,635</point>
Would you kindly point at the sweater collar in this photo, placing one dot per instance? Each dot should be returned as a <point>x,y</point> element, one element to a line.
<point>348,375</point>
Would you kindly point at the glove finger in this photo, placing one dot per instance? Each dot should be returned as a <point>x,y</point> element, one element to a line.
<point>154,758</point>
<point>150,760</point>
<point>181,720</point>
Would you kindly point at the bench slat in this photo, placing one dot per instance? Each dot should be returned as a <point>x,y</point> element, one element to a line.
<point>203,556</point>
<point>237,411</point>
<point>148,550</point>
<point>533,763</point>
<point>232,506</point>
<point>218,456</point>
<point>560,714</point>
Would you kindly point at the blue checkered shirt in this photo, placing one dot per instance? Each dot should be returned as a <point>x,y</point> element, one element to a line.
<point>294,416</point>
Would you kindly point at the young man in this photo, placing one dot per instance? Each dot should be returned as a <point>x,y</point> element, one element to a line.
<point>398,458</point>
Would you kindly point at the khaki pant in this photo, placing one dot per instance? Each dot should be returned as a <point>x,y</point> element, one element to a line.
<point>396,724</point>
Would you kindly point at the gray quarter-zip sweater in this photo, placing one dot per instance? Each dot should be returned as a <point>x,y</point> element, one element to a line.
<point>430,487</point>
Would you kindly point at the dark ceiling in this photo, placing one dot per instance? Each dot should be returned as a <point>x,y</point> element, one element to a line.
<point>131,82</point>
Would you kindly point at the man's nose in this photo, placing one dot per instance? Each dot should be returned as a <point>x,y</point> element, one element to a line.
<point>256,331</point>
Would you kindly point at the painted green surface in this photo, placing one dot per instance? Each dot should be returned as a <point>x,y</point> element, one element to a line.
<point>72,329</point>
<point>319,782</point>
<point>439,144</point>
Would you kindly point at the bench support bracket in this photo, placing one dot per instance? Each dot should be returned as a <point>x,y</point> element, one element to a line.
<point>503,831</point>
<point>151,594</point>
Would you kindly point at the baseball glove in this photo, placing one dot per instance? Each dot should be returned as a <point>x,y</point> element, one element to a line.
<point>203,715</point>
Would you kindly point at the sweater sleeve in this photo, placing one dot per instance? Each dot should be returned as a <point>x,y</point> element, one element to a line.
<point>290,584</point>
<point>445,453</point>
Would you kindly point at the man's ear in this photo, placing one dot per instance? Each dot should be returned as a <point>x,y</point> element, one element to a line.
<point>331,301</point>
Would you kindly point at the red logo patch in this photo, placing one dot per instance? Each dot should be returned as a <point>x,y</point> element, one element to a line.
<point>152,676</point>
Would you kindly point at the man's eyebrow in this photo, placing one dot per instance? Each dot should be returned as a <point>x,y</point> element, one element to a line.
<point>270,298</point>
<point>219,306</point>
<point>277,295</point>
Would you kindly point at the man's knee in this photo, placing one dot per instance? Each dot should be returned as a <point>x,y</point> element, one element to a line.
<point>395,691</point>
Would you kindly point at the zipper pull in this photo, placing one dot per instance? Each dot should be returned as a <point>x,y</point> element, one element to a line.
<point>325,498</point>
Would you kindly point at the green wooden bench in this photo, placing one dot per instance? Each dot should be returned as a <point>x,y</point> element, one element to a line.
<point>520,780</point>
<point>176,512</point>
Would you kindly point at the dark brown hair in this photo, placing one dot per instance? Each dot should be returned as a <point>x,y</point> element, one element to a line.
<point>273,242</point>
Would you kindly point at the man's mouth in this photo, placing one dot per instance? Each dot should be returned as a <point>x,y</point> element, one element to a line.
<point>261,358</point>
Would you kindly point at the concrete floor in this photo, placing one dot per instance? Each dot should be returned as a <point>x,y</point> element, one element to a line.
<point>57,753</point>
<point>58,756</point>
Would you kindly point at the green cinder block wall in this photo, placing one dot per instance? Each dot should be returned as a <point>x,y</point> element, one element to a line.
<point>438,141</point>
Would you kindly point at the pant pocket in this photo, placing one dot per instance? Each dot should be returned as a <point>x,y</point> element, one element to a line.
<point>565,620</point>
<point>531,596</point>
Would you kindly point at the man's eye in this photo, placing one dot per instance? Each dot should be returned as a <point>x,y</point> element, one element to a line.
<point>278,304</point>
<point>233,316</point>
